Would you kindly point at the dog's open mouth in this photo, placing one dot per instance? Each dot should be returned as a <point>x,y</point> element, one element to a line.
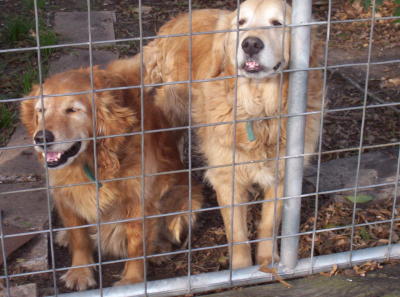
<point>55,159</point>
<point>252,66</point>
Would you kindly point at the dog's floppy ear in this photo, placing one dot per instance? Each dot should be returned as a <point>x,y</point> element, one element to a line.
<point>112,118</point>
<point>27,111</point>
<point>219,44</point>
<point>151,58</point>
<point>218,57</point>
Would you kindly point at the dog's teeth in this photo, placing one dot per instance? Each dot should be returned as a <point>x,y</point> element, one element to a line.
<point>252,64</point>
<point>53,156</point>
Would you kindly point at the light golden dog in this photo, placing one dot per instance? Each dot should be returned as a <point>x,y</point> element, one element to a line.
<point>260,56</point>
<point>65,123</point>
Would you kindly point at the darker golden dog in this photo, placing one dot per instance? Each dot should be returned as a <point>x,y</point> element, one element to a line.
<point>68,124</point>
<point>258,55</point>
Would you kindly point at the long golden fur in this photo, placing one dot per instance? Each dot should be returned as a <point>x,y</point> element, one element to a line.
<point>261,55</point>
<point>70,118</point>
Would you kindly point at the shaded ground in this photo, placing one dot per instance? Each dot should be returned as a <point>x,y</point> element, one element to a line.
<point>342,129</point>
<point>382,283</point>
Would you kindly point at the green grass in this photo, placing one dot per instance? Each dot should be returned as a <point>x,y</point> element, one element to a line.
<point>17,29</point>
<point>29,4</point>
<point>378,3</point>
<point>18,75</point>
<point>7,117</point>
<point>365,234</point>
<point>397,10</point>
<point>47,37</point>
<point>29,78</point>
<point>20,29</point>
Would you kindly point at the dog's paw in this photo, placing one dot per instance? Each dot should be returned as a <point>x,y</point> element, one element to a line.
<point>79,279</point>
<point>265,260</point>
<point>128,281</point>
<point>266,252</point>
<point>61,238</point>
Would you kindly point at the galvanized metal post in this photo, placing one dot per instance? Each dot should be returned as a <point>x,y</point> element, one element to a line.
<point>300,53</point>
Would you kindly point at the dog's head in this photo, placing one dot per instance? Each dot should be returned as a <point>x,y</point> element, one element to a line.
<point>261,52</point>
<point>62,123</point>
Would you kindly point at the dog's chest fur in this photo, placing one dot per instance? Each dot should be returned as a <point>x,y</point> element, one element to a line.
<point>254,100</point>
<point>83,199</point>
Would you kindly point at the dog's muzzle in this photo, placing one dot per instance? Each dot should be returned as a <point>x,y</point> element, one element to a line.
<point>54,158</point>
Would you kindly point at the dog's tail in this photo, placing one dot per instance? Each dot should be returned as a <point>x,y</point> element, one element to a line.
<point>177,200</point>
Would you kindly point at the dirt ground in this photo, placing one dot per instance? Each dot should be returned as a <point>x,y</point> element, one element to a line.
<point>341,132</point>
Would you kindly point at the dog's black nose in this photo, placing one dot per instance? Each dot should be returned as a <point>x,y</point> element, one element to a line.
<point>252,45</point>
<point>42,136</point>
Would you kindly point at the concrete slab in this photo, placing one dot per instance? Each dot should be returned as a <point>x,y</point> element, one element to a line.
<point>20,170</point>
<point>382,283</point>
<point>13,243</point>
<point>73,26</point>
<point>27,210</point>
<point>80,58</point>
<point>28,290</point>
<point>383,85</point>
<point>36,258</point>
<point>21,161</point>
<point>375,168</point>
<point>338,56</point>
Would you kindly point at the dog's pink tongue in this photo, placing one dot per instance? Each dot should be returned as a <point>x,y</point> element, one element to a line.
<point>252,65</point>
<point>53,156</point>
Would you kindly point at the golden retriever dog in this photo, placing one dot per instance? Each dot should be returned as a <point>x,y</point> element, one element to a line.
<point>260,91</point>
<point>68,131</point>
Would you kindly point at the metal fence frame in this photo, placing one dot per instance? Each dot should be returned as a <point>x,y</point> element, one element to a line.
<point>290,265</point>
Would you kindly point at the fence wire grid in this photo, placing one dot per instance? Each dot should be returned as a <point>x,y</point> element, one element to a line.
<point>293,224</point>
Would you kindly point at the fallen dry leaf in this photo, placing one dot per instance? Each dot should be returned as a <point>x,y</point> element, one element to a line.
<point>362,270</point>
<point>358,270</point>
<point>391,82</point>
<point>266,269</point>
<point>334,270</point>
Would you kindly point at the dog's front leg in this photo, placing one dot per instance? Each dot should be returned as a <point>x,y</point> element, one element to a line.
<point>133,270</point>
<point>221,179</point>
<point>81,249</point>
<point>270,211</point>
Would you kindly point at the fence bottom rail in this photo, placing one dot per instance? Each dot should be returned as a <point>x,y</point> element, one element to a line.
<point>251,275</point>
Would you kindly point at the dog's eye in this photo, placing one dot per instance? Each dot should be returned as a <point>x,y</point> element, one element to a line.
<point>242,22</point>
<point>70,110</point>
<point>40,110</point>
<point>276,23</point>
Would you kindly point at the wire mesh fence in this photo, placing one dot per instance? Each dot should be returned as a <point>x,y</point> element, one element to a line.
<point>343,222</point>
